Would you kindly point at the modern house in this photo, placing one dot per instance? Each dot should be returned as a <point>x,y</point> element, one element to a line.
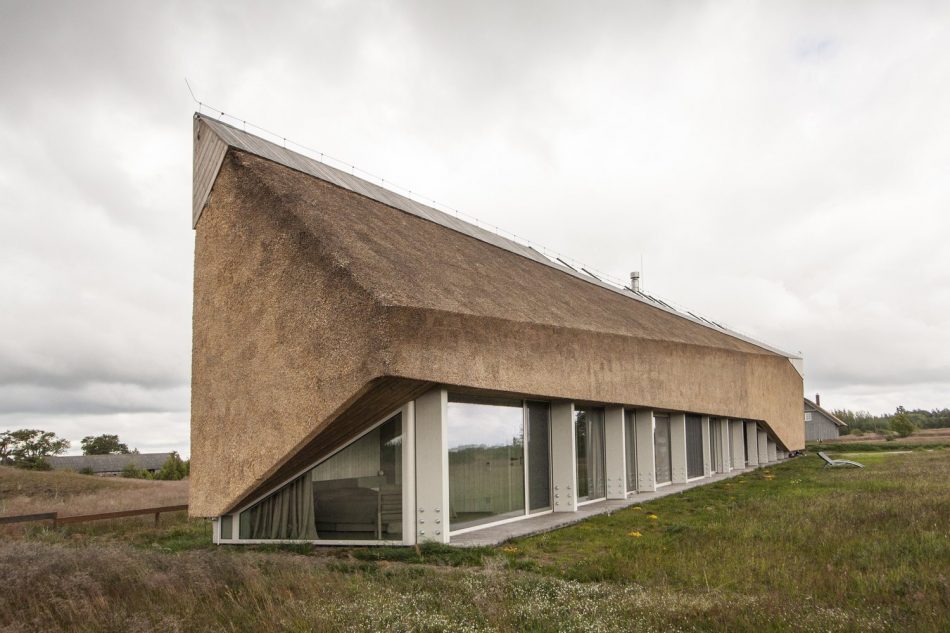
<point>108,465</point>
<point>820,425</point>
<point>368,369</point>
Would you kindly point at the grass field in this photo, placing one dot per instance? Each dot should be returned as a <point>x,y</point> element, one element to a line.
<point>793,547</point>
<point>920,438</point>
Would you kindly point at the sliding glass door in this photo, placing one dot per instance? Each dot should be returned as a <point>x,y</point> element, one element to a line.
<point>486,460</point>
<point>591,453</point>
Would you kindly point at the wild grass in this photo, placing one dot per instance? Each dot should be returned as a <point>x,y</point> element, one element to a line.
<point>921,439</point>
<point>28,492</point>
<point>790,548</point>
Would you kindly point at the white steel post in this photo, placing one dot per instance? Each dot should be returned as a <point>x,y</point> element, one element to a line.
<point>616,455</point>
<point>409,474</point>
<point>707,453</point>
<point>763,446</point>
<point>432,467</point>
<point>646,459</point>
<point>752,444</point>
<point>738,450</point>
<point>678,447</point>
<point>564,457</point>
<point>726,457</point>
<point>771,451</point>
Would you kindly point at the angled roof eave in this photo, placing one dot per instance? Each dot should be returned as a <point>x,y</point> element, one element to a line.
<point>210,149</point>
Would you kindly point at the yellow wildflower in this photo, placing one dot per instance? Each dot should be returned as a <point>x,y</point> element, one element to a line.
<point>634,534</point>
<point>652,517</point>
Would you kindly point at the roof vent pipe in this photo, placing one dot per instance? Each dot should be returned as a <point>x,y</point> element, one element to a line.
<point>635,281</point>
<point>818,399</point>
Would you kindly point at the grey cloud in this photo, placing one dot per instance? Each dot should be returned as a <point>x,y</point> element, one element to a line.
<point>780,167</point>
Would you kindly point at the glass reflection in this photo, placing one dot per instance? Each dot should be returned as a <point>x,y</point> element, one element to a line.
<point>486,460</point>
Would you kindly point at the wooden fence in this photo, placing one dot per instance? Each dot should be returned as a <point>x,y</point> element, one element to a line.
<point>82,518</point>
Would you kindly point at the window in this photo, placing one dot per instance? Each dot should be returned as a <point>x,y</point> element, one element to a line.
<point>807,416</point>
<point>355,494</point>
<point>694,446</point>
<point>661,445</point>
<point>591,453</point>
<point>486,460</point>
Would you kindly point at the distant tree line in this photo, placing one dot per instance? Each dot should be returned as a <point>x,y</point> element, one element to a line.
<point>901,422</point>
<point>29,448</point>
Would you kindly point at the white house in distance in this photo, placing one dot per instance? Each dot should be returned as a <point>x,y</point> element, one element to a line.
<point>820,425</point>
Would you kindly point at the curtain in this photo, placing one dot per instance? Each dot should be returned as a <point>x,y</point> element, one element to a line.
<point>286,514</point>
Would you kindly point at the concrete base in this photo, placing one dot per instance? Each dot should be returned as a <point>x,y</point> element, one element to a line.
<point>547,522</point>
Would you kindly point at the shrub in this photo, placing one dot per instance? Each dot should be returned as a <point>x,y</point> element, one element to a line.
<point>85,470</point>
<point>902,424</point>
<point>173,469</point>
<point>132,472</point>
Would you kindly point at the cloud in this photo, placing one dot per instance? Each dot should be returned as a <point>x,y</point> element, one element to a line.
<point>780,168</point>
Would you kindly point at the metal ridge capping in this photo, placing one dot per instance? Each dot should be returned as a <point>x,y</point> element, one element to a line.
<point>231,136</point>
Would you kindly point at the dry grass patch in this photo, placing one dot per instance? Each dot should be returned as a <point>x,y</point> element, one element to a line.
<point>29,492</point>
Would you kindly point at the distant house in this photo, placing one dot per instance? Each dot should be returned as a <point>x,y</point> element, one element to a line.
<point>820,425</point>
<point>109,465</point>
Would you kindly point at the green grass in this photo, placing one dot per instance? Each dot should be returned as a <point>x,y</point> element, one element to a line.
<point>793,547</point>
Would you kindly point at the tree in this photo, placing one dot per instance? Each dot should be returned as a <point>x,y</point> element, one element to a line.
<point>28,448</point>
<point>173,468</point>
<point>902,424</point>
<point>103,445</point>
<point>6,448</point>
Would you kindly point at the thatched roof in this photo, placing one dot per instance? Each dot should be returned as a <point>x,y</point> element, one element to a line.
<point>515,280</point>
<point>108,463</point>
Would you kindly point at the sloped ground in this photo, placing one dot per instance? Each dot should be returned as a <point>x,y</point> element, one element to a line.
<point>794,547</point>
<point>28,492</point>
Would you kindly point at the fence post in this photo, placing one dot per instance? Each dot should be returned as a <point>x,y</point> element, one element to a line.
<point>55,515</point>
<point>157,514</point>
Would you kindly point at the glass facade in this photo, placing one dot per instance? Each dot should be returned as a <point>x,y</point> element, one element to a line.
<point>355,494</point>
<point>661,447</point>
<point>694,446</point>
<point>630,447</point>
<point>499,454</point>
<point>486,460</point>
<point>591,453</point>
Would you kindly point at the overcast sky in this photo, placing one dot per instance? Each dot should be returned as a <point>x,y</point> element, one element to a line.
<point>781,167</point>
